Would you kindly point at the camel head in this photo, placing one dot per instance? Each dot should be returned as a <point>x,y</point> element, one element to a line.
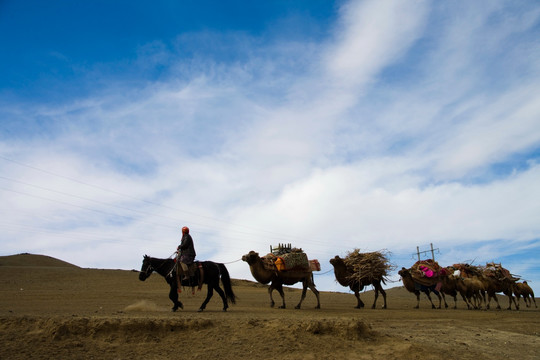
<point>336,260</point>
<point>404,272</point>
<point>251,258</point>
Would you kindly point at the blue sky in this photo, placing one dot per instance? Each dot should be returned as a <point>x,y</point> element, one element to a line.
<point>328,125</point>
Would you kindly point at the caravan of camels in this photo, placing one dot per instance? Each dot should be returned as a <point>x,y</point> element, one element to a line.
<point>477,285</point>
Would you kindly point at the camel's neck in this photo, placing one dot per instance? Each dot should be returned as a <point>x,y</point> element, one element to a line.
<point>408,282</point>
<point>261,274</point>
<point>340,270</point>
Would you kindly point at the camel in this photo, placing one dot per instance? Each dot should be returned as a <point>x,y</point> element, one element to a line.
<point>494,285</point>
<point>279,278</point>
<point>472,291</point>
<point>343,276</point>
<point>416,288</point>
<point>523,289</point>
<point>449,288</point>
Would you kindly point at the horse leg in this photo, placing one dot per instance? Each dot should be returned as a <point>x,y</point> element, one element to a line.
<point>173,295</point>
<point>209,294</point>
<point>223,297</point>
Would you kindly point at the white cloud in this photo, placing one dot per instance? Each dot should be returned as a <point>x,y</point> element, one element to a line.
<point>328,151</point>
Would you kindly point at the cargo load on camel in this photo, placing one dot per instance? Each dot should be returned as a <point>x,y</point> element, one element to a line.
<point>466,270</point>
<point>368,267</point>
<point>286,258</point>
<point>496,271</point>
<point>427,272</point>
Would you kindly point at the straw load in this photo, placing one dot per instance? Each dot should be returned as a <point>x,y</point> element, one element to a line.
<point>497,272</point>
<point>367,267</point>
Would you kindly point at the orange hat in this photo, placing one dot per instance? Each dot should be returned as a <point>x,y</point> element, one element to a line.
<point>185,229</point>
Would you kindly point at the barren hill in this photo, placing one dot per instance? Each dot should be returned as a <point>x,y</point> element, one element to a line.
<point>26,259</point>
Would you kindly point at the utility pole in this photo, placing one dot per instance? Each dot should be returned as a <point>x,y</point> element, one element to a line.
<point>418,252</point>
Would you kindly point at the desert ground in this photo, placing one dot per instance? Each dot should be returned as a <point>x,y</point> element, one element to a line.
<point>50,309</point>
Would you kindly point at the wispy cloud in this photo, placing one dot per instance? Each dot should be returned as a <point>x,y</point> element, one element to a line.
<point>389,133</point>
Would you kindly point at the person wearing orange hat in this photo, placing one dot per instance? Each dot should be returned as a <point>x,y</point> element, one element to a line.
<point>186,251</point>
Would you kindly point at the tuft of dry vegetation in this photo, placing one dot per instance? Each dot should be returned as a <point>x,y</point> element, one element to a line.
<point>369,266</point>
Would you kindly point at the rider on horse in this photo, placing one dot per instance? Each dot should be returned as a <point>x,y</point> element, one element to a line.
<point>186,252</point>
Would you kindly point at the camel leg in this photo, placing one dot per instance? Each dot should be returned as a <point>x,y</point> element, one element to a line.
<point>311,285</point>
<point>270,289</point>
<point>279,288</point>
<point>359,302</point>
<point>444,299</point>
<point>532,297</point>
<point>466,302</point>
<point>304,291</point>
<point>483,297</point>
<point>378,288</point>
<point>510,300</point>
<point>431,301</point>
<point>440,298</point>
<point>494,296</point>
<point>417,293</point>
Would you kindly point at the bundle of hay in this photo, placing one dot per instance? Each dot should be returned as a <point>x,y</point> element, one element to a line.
<point>366,267</point>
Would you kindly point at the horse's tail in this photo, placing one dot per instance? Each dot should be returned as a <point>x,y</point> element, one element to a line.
<point>227,286</point>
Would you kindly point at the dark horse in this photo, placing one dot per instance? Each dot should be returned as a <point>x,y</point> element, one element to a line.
<point>212,272</point>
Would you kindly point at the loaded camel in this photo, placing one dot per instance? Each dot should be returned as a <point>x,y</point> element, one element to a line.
<point>494,284</point>
<point>471,289</point>
<point>416,288</point>
<point>523,289</point>
<point>279,278</point>
<point>344,277</point>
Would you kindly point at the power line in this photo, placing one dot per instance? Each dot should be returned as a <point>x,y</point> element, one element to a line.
<point>281,236</point>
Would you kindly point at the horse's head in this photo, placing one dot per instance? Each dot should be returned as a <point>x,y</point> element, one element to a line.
<point>146,269</point>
